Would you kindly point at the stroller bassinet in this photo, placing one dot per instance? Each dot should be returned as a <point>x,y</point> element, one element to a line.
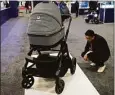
<point>45,25</point>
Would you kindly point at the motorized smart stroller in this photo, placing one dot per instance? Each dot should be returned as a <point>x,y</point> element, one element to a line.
<point>92,17</point>
<point>45,32</point>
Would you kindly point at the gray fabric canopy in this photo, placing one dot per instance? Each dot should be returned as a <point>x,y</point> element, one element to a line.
<point>45,19</point>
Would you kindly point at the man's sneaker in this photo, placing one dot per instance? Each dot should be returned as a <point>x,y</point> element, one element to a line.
<point>92,64</point>
<point>101,69</point>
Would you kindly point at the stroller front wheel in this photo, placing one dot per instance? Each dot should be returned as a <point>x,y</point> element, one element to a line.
<point>27,82</point>
<point>73,66</point>
<point>60,84</point>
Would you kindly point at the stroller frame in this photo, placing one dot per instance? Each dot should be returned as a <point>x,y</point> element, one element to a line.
<point>27,75</point>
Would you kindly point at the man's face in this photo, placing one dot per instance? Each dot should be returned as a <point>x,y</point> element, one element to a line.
<point>89,38</point>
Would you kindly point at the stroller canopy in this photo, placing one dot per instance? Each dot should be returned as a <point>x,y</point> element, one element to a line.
<point>45,19</point>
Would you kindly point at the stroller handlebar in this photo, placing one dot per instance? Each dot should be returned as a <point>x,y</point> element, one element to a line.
<point>67,31</point>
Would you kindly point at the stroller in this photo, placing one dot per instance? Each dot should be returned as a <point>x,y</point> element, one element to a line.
<point>45,32</point>
<point>92,17</point>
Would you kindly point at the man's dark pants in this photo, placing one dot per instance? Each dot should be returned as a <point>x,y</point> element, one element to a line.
<point>97,59</point>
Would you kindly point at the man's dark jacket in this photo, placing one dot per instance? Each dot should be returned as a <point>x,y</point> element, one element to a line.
<point>99,47</point>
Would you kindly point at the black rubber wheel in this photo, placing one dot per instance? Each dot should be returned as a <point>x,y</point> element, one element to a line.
<point>59,86</point>
<point>73,66</point>
<point>27,82</point>
<point>96,21</point>
<point>87,20</point>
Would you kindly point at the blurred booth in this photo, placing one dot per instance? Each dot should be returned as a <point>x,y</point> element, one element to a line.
<point>13,8</point>
<point>9,11</point>
<point>83,7</point>
<point>107,13</point>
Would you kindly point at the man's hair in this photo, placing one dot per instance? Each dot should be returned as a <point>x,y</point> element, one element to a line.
<point>89,33</point>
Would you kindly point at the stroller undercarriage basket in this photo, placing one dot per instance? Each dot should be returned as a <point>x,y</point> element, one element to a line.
<point>45,32</point>
<point>46,63</point>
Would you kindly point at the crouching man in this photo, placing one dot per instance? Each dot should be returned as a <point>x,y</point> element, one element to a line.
<point>96,50</point>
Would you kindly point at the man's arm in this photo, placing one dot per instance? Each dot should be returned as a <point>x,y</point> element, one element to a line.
<point>86,49</point>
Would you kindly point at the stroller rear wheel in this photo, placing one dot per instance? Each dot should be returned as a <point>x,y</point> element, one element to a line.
<point>73,66</point>
<point>87,20</point>
<point>59,86</point>
<point>27,82</point>
<point>96,21</point>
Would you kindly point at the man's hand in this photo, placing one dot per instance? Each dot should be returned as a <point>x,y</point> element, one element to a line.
<point>85,58</point>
